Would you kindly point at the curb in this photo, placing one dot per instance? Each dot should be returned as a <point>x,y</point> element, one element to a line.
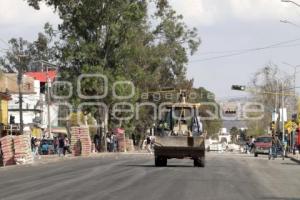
<point>295,160</point>
<point>54,159</point>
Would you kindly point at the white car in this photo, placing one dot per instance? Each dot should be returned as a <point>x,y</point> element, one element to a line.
<point>216,147</point>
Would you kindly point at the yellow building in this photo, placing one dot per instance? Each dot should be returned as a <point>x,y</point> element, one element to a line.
<point>4,98</point>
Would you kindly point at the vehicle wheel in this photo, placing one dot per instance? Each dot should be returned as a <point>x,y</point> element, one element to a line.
<point>158,162</point>
<point>195,162</point>
<point>255,154</point>
<point>164,162</point>
<point>199,162</point>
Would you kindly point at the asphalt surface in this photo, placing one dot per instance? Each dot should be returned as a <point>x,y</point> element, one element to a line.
<point>121,177</point>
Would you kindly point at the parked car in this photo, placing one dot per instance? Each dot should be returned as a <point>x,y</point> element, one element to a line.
<point>262,145</point>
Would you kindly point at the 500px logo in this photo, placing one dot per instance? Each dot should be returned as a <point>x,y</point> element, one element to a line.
<point>127,111</point>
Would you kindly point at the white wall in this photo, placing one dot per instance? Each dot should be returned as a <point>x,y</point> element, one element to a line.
<point>29,102</point>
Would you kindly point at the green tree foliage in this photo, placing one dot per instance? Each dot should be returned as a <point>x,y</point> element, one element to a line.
<point>234,132</point>
<point>123,41</point>
<point>25,56</point>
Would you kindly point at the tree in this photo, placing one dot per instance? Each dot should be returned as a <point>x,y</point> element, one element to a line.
<point>116,38</point>
<point>268,84</point>
<point>25,56</point>
<point>234,132</point>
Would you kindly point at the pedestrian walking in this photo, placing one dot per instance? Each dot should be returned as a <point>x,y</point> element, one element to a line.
<point>148,144</point>
<point>133,139</point>
<point>32,141</point>
<point>113,142</point>
<point>97,142</point>
<point>252,141</point>
<point>55,145</point>
<point>108,141</point>
<point>67,146</point>
<point>36,153</point>
<point>45,147</point>
<point>61,146</point>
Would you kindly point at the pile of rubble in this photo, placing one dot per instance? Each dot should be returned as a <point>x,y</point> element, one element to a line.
<point>81,143</point>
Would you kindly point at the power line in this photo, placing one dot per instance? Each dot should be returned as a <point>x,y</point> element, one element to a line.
<point>244,51</point>
<point>236,51</point>
<point>290,1</point>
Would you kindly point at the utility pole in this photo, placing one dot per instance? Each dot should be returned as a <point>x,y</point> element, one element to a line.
<point>48,95</point>
<point>283,130</point>
<point>48,103</point>
<point>20,74</point>
<point>20,85</point>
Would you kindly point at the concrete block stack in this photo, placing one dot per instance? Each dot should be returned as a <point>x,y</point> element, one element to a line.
<point>121,142</point>
<point>22,147</point>
<point>7,147</point>
<point>129,144</point>
<point>81,143</point>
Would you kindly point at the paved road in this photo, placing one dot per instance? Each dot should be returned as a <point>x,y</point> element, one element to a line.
<point>131,177</point>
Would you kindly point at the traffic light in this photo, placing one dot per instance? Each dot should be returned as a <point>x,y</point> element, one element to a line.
<point>230,112</point>
<point>238,87</point>
<point>12,119</point>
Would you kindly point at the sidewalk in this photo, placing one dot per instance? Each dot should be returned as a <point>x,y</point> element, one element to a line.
<point>47,159</point>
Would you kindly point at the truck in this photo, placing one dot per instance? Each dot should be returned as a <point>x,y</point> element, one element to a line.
<point>179,134</point>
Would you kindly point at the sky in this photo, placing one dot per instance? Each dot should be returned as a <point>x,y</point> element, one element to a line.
<point>225,26</point>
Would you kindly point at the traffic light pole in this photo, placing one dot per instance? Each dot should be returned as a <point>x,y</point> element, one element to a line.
<point>283,104</point>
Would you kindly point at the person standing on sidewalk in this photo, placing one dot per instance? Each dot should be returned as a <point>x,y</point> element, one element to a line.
<point>55,145</point>
<point>108,141</point>
<point>61,146</point>
<point>37,144</point>
<point>67,146</point>
<point>113,142</point>
<point>148,144</point>
<point>97,142</point>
